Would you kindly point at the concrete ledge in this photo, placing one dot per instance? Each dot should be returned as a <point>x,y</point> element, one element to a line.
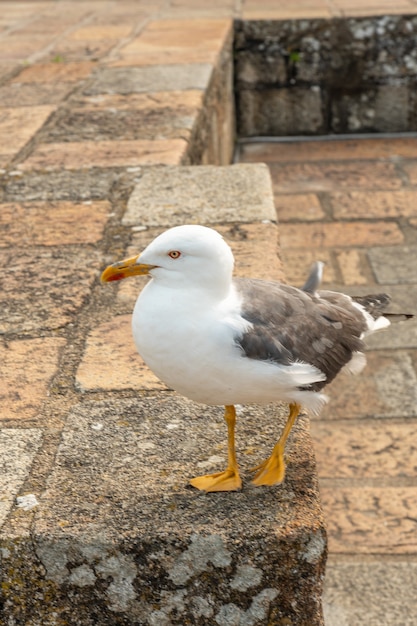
<point>118,537</point>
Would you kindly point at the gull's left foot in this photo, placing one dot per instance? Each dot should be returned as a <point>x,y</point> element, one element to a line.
<point>229,480</point>
<point>270,472</point>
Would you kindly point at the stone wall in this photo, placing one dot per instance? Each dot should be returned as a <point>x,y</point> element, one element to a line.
<point>308,77</point>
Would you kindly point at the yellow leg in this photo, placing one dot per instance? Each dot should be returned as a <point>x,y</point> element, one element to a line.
<point>272,471</point>
<point>229,480</point>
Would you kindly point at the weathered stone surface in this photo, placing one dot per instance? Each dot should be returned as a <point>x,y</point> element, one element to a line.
<point>205,194</point>
<point>385,108</point>
<point>148,79</point>
<point>363,70</point>
<point>26,369</point>
<point>375,204</point>
<point>45,223</point>
<point>120,536</point>
<point>21,123</point>
<point>352,589</point>
<point>87,154</point>
<point>366,448</point>
<point>111,124</point>
<point>121,367</point>
<point>393,266</point>
<point>17,450</point>
<point>340,234</point>
<point>296,111</point>
<point>46,288</point>
<point>384,521</point>
<point>314,177</point>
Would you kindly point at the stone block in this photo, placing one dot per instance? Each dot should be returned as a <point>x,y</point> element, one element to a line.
<point>121,367</point>
<point>393,265</point>
<point>55,72</point>
<point>124,125</point>
<point>205,194</point>
<point>364,68</point>
<point>286,111</point>
<point>381,109</point>
<point>27,367</point>
<point>47,287</point>
<point>334,176</point>
<point>17,450</point>
<point>374,204</point>
<point>340,234</point>
<point>21,123</point>
<point>365,448</point>
<point>378,592</point>
<point>45,223</point>
<point>150,79</point>
<point>119,538</point>
<point>88,154</point>
<point>383,523</point>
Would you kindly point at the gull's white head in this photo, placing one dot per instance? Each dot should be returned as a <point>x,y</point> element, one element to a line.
<point>188,256</point>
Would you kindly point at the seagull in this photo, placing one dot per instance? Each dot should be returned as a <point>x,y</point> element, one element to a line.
<point>227,341</point>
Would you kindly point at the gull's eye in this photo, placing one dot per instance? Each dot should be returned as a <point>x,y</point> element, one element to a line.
<point>174,254</point>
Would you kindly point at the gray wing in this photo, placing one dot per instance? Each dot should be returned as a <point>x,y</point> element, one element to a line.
<point>289,324</point>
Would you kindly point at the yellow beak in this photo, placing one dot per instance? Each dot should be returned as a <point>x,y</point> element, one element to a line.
<point>125,268</point>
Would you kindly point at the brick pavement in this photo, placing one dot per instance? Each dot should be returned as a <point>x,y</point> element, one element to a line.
<point>92,91</point>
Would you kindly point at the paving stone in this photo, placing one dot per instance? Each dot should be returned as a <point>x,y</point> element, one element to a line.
<point>365,448</point>
<point>92,32</point>
<point>151,79</point>
<point>67,50</point>
<point>112,362</point>
<point>371,520</point>
<point>354,267</point>
<point>387,387</point>
<point>21,48</point>
<point>27,367</point>
<point>204,194</point>
<point>314,177</point>
<point>32,94</point>
<point>341,235</point>
<point>297,264</point>
<point>183,100</point>
<point>376,593</point>
<point>21,123</point>
<point>55,72</point>
<point>116,125</point>
<point>17,450</point>
<point>255,248</point>
<point>46,287</point>
<point>410,169</point>
<point>394,264</point>
<point>298,207</point>
<point>284,111</point>
<point>162,56</point>
<point>87,154</point>
<point>74,186</point>
<point>40,223</point>
<point>336,149</point>
<point>178,41</point>
<point>374,204</point>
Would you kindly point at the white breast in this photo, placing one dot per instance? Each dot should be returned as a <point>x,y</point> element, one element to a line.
<point>189,343</point>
